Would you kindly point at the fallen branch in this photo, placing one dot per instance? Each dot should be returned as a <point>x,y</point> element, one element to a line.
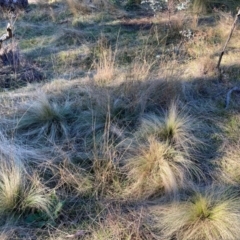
<point>228,39</point>
<point>228,98</point>
<point>7,35</point>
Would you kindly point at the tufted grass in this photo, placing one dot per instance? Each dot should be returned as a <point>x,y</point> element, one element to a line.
<point>45,119</point>
<point>211,213</point>
<point>21,194</point>
<point>173,126</point>
<point>157,169</point>
<point>113,133</point>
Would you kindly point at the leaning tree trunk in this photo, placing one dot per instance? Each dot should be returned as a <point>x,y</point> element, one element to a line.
<point>9,4</point>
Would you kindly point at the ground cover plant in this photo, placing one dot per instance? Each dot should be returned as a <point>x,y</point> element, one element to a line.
<point>116,122</point>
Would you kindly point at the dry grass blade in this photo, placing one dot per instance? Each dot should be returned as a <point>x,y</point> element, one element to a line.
<point>105,67</point>
<point>117,225</point>
<point>74,179</point>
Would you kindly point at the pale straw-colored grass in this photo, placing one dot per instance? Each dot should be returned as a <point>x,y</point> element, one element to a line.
<point>212,213</point>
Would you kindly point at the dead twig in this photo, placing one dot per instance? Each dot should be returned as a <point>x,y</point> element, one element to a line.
<point>228,39</point>
<point>228,98</point>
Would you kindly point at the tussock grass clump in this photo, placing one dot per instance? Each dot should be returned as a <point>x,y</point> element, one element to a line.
<point>212,213</point>
<point>20,194</point>
<point>173,126</point>
<point>158,168</point>
<point>46,119</point>
<point>151,125</point>
<point>178,128</point>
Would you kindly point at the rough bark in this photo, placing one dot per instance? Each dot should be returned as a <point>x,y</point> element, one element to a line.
<point>7,35</point>
<point>9,4</point>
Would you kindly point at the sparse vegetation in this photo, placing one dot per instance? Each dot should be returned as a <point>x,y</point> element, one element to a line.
<point>114,122</point>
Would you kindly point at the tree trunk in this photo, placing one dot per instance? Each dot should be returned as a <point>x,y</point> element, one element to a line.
<point>9,4</point>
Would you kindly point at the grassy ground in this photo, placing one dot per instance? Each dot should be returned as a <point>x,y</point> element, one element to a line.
<point>114,124</point>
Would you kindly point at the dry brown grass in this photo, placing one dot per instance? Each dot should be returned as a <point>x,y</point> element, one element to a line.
<point>202,67</point>
<point>229,165</point>
<point>75,180</point>
<point>105,67</point>
<point>105,135</point>
<point>86,6</point>
<point>139,70</point>
<point>120,225</point>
